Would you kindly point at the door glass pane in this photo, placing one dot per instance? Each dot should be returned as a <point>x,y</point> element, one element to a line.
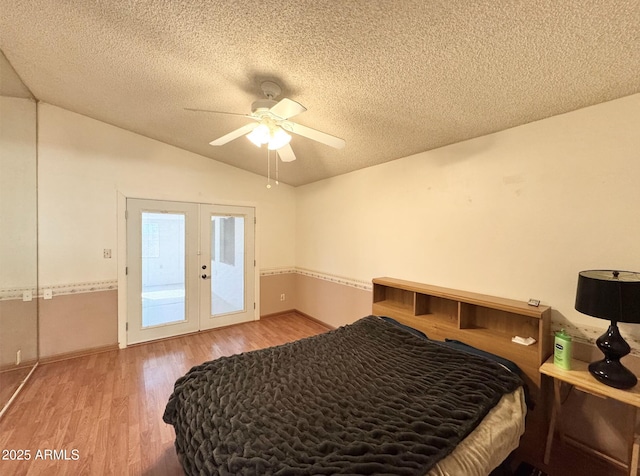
<point>227,264</point>
<point>163,268</point>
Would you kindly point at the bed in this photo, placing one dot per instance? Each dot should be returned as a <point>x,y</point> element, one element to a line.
<point>368,398</point>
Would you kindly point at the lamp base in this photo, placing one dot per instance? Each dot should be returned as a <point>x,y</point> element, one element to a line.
<point>609,370</point>
<point>613,374</point>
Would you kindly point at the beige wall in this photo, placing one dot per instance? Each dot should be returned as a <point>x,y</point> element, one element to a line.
<point>515,214</point>
<point>331,302</point>
<point>78,322</point>
<point>329,299</point>
<point>272,286</point>
<point>18,331</point>
<point>85,167</point>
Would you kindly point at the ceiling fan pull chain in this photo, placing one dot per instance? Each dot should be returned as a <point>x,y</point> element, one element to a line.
<point>268,169</point>
<point>277,172</point>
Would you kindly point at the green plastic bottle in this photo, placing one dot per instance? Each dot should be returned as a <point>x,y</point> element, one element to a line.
<point>562,350</point>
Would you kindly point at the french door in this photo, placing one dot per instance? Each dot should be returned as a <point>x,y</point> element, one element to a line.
<point>190,267</point>
<point>227,265</point>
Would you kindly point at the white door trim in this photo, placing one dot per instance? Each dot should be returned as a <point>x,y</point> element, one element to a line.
<point>121,251</point>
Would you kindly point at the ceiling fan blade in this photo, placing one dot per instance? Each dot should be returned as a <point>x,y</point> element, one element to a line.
<point>287,108</point>
<point>316,135</point>
<point>217,112</point>
<point>235,134</point>
<point>286,153</point>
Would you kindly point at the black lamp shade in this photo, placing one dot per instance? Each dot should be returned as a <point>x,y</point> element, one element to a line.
<point>611,295</point>
<point>615,296</point>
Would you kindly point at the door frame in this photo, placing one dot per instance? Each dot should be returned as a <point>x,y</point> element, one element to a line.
<point>237,316</point>
<point>121,251</point>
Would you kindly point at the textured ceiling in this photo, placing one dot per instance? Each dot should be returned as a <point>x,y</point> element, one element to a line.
<point>393,78</point>
<point>10,83</point>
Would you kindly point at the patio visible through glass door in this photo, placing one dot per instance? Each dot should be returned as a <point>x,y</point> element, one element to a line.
<point>163,274</point>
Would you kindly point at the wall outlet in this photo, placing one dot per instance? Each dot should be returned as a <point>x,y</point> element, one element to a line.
<point>282,297</point>
<point>106,253</point>
<point>18,357</point>
<point>27,296</point>
<point>47,294</point>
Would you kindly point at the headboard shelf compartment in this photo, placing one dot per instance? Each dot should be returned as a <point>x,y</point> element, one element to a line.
<point>485,322</point>
<point>391,299</point>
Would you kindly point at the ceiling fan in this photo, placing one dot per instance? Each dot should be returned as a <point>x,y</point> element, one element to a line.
<point>272,124</point>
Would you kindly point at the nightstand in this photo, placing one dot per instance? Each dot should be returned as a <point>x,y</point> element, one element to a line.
<point>582,380</point>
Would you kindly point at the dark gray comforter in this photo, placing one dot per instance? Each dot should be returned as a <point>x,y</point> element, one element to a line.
<point>368,398</point>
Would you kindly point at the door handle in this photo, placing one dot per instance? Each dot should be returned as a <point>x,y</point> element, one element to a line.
<point>204,276</point>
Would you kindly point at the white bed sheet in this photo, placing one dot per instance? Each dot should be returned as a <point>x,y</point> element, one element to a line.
<point>489,444</point>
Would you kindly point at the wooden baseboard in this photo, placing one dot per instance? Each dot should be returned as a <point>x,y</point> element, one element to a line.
<point>280,313</point>
<point>23,365</point>
<point>299,313</point>
<point>328,326</point>
<point>79,353</point>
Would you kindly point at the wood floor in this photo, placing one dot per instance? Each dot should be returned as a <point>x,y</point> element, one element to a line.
<point>10,380</point>
<point>102,414</point>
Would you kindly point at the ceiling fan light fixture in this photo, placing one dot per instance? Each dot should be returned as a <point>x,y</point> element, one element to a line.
<point>260,135</point>
<point>273,126</point>
<point>279,139</point>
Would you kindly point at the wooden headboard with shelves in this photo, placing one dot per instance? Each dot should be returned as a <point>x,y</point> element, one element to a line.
<point>486,322</point>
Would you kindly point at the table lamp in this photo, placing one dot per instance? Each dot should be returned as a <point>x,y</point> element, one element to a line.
<point>612,295</point>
